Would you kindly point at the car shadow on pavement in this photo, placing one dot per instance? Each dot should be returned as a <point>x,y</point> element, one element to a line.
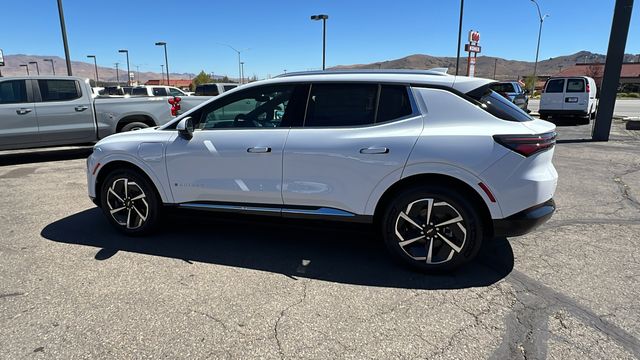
<point>348,254</point>
<point>28,157</point>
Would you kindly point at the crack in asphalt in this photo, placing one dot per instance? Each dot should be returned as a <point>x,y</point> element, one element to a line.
<point>215,319</point>
<point>11,294</point>
<point>625,189</point>
<point>281,316</point>
<point>527,324</point>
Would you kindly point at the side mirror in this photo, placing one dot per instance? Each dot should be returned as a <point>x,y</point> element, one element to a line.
<point>185,128</point>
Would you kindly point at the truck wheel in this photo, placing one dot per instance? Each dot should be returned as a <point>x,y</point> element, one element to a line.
<point>134,126</point>
<point>130,202</point>
<point>432,228</point>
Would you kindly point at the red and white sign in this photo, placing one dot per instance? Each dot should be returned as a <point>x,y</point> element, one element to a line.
<point>474,36</point>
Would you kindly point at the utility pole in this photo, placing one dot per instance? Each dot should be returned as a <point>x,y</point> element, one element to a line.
<point>53,68</point>
<point>26,67</point>
<point>37,67</point>
<point>117,75</point>
<point>495,66</point>
<point>324,18</point>
<point>242,72</point>
<point>162,74</point>
<point>95,63</point>
<point>64,38</point>
<point>459,35</point>
<point>128,68</point>
<point>535,66</point>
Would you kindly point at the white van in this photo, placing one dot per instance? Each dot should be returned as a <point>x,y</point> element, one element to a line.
<point>569,96</point>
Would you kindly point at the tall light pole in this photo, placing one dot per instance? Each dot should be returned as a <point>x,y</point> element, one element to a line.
<point>138,74</point>
<point>166,61</point>
<point>64,38</point>
<point>26,67</point>
<point>162,74</point>
<point>459,35</point>
<point>238,52</point>
<point>95,63</point>
<point>53,68</point>
<point>128,69</point>
<point>324,18</point>
<point>37,67</point>
<point>242,72</point>
<point>535,66</point>
<point>117,75</point>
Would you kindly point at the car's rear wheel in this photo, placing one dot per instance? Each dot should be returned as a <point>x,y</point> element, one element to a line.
<point>432,228</point>
<point>130,202</point>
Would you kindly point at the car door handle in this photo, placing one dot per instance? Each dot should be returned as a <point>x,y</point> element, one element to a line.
<point>23,111</point>
<point>81,108</point>
<point>374,150</point>
<point>259,149</point>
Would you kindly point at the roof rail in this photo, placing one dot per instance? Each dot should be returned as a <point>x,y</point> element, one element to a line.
<point>434,71</point>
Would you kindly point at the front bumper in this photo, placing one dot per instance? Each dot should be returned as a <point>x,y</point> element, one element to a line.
<point>524,221</point>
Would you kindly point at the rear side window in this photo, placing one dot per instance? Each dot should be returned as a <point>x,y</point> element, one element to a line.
<point>394,103</point>
<point>575,85</point>
<point>158,91</point>
<point>497,105</point>
<point>207,90</point>
<point>341,105</point>
<point>175,92</point>
<point>59,90</point>
<point>12,92</point>
<point>503,87</point>
<point>228,87</point>
<point>555,86</point>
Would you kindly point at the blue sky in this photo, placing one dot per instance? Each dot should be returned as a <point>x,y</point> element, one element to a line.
<point>281,36</point>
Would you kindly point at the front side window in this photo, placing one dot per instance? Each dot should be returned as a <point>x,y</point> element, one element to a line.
<point>175,92</point>
<point>59,90</point>
<point>159,91</point>
<point>333,105</point>
<point>12,92</point>
<point>555,86</point>
<point>260,107</point>
<point>575,85</point>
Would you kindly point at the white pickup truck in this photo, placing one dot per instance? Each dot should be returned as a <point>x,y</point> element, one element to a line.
<point>37,111</point>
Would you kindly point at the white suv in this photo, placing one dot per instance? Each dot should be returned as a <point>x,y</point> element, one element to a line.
<point>439,163</point>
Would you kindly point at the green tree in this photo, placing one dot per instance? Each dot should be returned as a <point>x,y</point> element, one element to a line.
<point>225,79</point>
<point>201,78</point>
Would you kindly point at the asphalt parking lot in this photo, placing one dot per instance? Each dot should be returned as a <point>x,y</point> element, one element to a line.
<point>71,287</point>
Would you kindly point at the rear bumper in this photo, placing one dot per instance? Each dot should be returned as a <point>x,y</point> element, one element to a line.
<point>524,221</point>
<point>563,112</point>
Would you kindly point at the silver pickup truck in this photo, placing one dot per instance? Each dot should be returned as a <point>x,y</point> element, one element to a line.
<point>38,111</point>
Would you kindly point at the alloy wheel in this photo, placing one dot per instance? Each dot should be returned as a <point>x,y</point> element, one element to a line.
<point>430,230</point>
<point>127,203</point>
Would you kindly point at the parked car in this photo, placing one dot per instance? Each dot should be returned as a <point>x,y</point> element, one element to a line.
<point>48,111</point>
<point>438,163</point>
<point>214,89</point>
<point>569,96</point>
<point>514,92</point>
<point>152,90</point>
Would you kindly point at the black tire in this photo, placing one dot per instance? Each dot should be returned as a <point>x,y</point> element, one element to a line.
<point>415,201</point>
<point>584,120</point>
<point>544,117</point>
<point>134,126</point>
<point>132,219</point>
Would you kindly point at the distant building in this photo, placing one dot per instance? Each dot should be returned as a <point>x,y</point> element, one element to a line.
<point>629,74</point>
<point>179,83</point>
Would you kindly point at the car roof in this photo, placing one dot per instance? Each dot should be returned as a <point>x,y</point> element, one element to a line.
<point>401,76</point>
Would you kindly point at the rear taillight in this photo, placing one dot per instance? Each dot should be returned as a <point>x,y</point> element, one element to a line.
<point>527,145</point>
<point>588,88</point>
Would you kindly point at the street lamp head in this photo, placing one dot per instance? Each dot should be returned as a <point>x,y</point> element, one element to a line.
<point>161,43</point>
<point>91,56</point>
<point>322,17</point>
<point>123,51</point>
<point>33,62</point>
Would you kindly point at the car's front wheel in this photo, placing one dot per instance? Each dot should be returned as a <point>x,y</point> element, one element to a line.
<point>432,228</point>
<point>130,202</point>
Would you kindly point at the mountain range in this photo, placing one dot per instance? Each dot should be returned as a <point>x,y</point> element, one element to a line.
<point>80,68</point>
<point>485,66</point>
